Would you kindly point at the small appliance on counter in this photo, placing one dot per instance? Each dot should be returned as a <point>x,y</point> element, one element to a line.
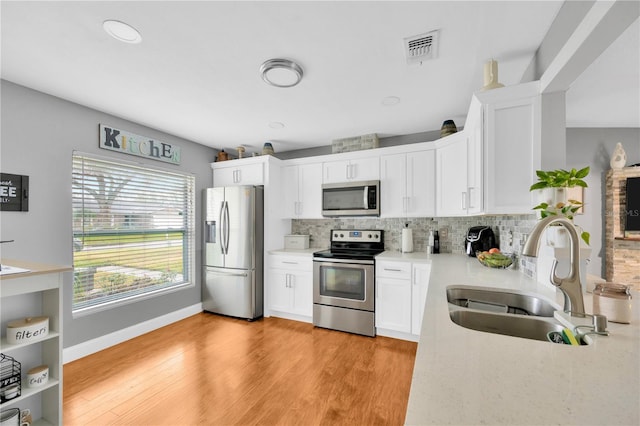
<point>296,242</point>
<point>479,238</point>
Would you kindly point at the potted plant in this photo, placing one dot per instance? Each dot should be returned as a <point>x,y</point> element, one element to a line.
<point>554,183</point>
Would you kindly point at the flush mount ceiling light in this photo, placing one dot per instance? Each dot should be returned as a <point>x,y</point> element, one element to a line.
<point>281,72</point>
<point>276,125</point>
<point>121,31</point>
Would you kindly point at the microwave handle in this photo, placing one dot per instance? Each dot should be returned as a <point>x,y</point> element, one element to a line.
<point>366,197</point>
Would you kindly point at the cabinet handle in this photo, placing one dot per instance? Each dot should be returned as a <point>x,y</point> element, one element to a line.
<point>393,270</point>
<point>470,197</point>
<point>286,280</point>
<point>289,262</point>
<point>464,200</point>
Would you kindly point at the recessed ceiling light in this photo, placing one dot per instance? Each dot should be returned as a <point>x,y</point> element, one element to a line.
<point>281,72</point>
<point>276,125</point>
<point>391,101</point>
<point>121,31</point>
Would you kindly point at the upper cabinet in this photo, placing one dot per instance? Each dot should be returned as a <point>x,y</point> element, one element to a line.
<point>408,184</point>
<point>489,166</point>
<point>355,169</point>
<point>452,179</point>
<point>302,191</point>
<point>248,171</point>
<point>512,135</point>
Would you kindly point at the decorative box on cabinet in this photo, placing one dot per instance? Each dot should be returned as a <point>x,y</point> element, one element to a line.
<point>30,294</point>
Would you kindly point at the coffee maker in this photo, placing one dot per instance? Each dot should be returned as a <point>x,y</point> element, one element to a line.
<point>479,238</point>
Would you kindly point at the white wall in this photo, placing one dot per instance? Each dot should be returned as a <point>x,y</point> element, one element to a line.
<point>39,133</point>
<point>593,147</point>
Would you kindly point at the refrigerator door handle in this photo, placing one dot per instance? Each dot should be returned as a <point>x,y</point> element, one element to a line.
<point>228,274</point>
<point>226,225</point>
<point>221,222</point>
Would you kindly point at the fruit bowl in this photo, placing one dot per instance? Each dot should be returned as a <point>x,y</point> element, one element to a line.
<point>495,260</point>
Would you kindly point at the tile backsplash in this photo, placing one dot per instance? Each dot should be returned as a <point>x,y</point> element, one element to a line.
<point>452,230</point>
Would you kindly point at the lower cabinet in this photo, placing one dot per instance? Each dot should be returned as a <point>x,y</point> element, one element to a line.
<point>401,289</point>
<point>290,282</point>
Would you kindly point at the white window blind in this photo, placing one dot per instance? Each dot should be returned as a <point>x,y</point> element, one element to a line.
<point>133,232</point>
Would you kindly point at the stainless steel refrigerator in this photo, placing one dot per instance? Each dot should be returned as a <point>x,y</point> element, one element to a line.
<point>233,251</point>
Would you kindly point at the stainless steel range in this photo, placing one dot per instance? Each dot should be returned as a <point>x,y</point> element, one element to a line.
<point>344,281</point>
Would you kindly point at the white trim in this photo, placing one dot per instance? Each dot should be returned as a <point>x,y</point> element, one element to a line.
<point>103,342</point>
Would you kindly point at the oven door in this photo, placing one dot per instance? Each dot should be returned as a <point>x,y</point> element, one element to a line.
<point>345,283</point>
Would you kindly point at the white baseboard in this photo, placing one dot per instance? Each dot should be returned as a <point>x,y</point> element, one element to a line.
<point>99,343</point>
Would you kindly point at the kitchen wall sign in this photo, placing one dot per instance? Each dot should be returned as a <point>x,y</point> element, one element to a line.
<point>118,140</point>
<point>14,193</point>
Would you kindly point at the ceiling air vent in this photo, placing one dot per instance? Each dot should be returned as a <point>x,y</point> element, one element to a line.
<point>422,47</point>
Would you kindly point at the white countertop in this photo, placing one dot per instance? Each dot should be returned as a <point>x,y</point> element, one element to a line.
<point>296,252</point>
<point>463,376</point>
<point>405,257</point>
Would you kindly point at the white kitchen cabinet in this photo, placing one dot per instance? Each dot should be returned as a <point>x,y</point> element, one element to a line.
<point>393,296</point>
<point>408,184</point>
<point>355,169</point>
<point>302,191</point>
<point>420,281</point>
<point>30,294</point>
<point>290,283</point>
<point>452,175</point>
<point>401,291</point>
<point>238,172</point>
<point>511,129</point>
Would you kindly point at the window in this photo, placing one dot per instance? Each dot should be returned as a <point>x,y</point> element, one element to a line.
<point>133,232</point>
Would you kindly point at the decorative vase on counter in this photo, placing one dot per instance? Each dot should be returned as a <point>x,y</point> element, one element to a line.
<point>619,157</point>
<point>267,149</point>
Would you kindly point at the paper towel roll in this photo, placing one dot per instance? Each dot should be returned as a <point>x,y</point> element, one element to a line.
<point>407,240</point>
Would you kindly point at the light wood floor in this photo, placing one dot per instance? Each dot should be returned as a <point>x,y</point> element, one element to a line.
<point>213,370</point>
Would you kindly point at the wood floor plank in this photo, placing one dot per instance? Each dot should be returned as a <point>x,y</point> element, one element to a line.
<point>214,370</point>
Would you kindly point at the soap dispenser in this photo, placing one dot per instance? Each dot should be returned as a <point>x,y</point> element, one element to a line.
<point>407,239</point>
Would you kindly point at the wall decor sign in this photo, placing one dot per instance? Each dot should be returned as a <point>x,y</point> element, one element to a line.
<point>129,143</point>
<point>14,193</point>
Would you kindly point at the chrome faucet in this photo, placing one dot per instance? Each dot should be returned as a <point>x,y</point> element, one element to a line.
<point>570,285</point>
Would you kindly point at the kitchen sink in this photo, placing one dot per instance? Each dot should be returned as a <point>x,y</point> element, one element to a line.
<point>526,327</point>
<point>501,301</point>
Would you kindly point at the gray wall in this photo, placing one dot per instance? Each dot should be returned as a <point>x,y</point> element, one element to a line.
<point>39,134</point>
<point>593,147</point>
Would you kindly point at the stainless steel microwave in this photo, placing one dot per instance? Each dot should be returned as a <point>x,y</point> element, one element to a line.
<point>351,198</point>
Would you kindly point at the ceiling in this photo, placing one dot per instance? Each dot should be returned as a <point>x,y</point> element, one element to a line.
<point>196,72</point>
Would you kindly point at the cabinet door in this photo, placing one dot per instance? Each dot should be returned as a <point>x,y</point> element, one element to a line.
<point>279,294</point>
<point>290,191</point>
<point>421,184</point>
<point>510,170</point>
<point>474,130</point>
<point>351,170</point>
<point>335,171</point>
<point>421,272</point>
<point>301,284</point>
<point>248,174</point>
<point>393,186</point>
<point>365,169</point>
<point>393,304</point>
<point>452,176</point>
<point>310,191</point>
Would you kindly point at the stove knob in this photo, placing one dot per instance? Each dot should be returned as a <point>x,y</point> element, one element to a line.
<point>370,236</point>
<point>341,235</point>
<point>335,235</point>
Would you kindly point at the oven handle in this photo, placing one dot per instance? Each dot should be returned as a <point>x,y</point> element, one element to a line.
<point>354,261</point>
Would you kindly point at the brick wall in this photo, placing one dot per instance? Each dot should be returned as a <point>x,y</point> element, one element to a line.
<point>622,254</point>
